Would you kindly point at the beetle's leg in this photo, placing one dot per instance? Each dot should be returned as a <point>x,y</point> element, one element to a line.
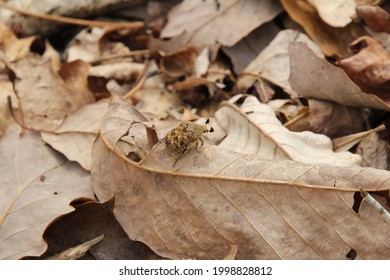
<point>201,144</point>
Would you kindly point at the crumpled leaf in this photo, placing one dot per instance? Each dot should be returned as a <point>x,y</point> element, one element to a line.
<point>376,18</point>
<point>75,137</point>
<point>332,41</point>
<point>216,199</point>
<point>37,186</point>
<point>369,66</point>
<point>374,151</point>
<point>273,63</point>
<point>223,21</point>
<point>314,77</point>
<point>254,129</point>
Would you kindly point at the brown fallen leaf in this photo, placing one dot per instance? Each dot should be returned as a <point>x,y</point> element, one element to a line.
<point>273,63</point>
<point>223,21</point>
<point>45,98</point>
<point>91,219</point>
<point>369,66</point>
<point>314,77</point>
<point>216,199</point>
<point>332,41</point>
<point>38,185</point>
<point>376,18</point>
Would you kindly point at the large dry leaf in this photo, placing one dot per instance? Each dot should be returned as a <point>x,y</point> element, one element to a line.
<point>314,77</point>
<point>225,22</point>
<point>273,63</point>
<point>37,186</point>
<point>331,40</point>
<point>216,199</point>
<point>254,129</point>
<point>75,137</point>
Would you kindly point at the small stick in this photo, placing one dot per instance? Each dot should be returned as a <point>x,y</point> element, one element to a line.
<point>140,84</point>
<point>376,204</point>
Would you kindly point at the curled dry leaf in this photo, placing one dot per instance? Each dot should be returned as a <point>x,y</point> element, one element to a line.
<point>369,66</point>
<point>38,185</point>
<point>217,199</point>
<point>254,129</point>
<point>75,137</point>
<point>376,18</point>
<point>273,63</point>
<point>332,41</point>
<point>223,21</point>
<point>314,77</point>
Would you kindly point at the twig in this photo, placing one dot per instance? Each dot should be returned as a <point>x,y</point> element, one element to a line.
<point>140,84</point>
<point>75,21</point>
<point>376,204</point>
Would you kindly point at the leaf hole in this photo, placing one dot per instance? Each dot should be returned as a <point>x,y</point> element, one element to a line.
<point>357,201</point>
<point>352,254</point>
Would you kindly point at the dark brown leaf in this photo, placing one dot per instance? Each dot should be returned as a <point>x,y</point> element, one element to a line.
<point>369,67</point>
<point>376,18</point>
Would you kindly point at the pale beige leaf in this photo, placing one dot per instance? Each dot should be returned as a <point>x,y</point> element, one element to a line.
<point>37,186</point>
<point>337,13</point>
<point>254,129</point>
<point>314,77</point>
<point>215,200</point>
<point>120,70</point>
<point>273,63</point>
<point>224,21</point>
<point>75,137</point>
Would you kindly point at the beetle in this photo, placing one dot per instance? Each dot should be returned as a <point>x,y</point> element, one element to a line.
<point>185,136</point>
